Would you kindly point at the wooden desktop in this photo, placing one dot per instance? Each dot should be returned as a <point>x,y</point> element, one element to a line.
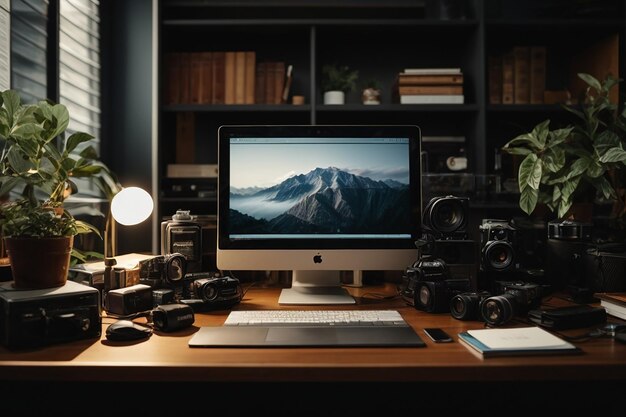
<point>166,358</point>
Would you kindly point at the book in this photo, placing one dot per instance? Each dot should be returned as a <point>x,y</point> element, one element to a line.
<point>518,341</point>
<point>230,76</point>
<point>521,79</point>
<point>508,78</point>
<point>430,89</point>
<point>614,303</point>
<point>430,79</point>
<point>240,77</point>
<point>432,71</point>
<point>250,77</point>
<point>494,77</point>
<point>537,74</point>
<point>432,99</point>
<point>218,93</point>
<point>259,87</point>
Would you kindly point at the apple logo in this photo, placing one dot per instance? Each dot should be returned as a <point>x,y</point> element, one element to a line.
<point>317,259</point>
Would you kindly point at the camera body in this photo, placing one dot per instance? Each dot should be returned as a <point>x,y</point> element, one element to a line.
<point>498,253</point>
<point>429,287</point>
<point>515,298</point>
<point>163,271</point>
<point>205,291</point>
<point>182,234</point>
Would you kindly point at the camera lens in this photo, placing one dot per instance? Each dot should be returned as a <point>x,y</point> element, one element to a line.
<point>465,306</point>
<point>209,291</point>
<point>447,215</point>
<point>425,296</point>
<point>498,309</point>
<point>499,255</point>
<point>175,268</point>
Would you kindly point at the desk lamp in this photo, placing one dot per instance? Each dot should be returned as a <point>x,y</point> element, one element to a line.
<point>131,206</point>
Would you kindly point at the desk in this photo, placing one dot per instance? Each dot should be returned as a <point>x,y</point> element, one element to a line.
<point>434,370</point>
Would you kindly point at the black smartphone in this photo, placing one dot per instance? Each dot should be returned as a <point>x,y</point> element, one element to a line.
<point>438,335</point>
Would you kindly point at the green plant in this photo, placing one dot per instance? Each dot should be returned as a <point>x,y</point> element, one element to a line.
<point>562,166</point>
<point>339,78</point>
<point>38,165</point>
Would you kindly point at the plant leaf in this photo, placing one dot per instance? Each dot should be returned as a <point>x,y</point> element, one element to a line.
<point>530,171</point>
<point>76,139</point>
<point>590,80</point>
<point>614,155</point>
<point>528,199</point>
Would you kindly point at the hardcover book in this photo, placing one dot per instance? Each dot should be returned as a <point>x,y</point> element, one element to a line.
<point>614,303</point>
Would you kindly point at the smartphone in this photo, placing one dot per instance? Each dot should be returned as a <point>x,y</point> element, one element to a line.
<point>438,335</point>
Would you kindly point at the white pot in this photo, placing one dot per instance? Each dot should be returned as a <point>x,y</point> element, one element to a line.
<point>334,97</point>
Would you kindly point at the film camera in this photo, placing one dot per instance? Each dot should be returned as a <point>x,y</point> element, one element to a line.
<point>163,271</point>
<point>203,291</point>
<point>498,255</point>
<point>429,287</point>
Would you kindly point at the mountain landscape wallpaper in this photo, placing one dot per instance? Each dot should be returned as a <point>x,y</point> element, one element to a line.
<point>324,200</point>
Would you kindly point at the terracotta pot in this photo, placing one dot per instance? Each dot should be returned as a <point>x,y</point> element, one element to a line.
<point>39,262</point>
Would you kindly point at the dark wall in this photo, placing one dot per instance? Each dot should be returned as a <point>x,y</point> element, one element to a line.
<point>127,104</point>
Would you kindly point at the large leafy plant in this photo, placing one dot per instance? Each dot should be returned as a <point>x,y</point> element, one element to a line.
<point>38,168</point>
<point>566,165</point>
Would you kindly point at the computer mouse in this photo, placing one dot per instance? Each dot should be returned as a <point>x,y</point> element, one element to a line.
<point>127,330</point>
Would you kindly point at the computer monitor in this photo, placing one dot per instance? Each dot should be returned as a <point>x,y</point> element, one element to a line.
<point>318,200</point>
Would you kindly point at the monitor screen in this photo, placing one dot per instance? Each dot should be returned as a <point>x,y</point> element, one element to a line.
<point>318,200</point>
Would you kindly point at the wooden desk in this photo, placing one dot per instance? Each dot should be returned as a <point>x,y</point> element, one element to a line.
<point>167,358</point>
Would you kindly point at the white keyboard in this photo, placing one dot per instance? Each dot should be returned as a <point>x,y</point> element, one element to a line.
<point>315,318</point>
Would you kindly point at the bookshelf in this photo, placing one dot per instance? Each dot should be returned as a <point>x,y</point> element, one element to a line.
<point>379,38</point>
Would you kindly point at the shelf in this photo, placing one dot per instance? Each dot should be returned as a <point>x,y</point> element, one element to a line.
<point>398,108</point>
<point>236,108</point>
<point>188,199</point>
<point>526,108</point>
<point>548,23</point>
<point>415,23</point>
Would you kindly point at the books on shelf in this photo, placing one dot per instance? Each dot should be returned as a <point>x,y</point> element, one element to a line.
<point>210,77</point>
<point>429,86</point>
<point>517,76</point>
<point>614,303</point>
<point>518,341</point>
<point>432,99</point>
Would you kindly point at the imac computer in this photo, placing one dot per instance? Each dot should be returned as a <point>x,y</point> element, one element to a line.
<point>318,200</point>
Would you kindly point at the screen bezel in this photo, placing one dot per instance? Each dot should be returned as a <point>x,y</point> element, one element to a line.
<point>226,132</point>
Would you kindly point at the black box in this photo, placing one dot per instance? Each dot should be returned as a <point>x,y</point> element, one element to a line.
<point>129,300</point>
<point>31,318</point>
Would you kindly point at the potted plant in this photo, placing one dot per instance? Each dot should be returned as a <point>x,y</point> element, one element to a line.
<point>337,80</point>
<point>578,162</point>
<point>38,165</point>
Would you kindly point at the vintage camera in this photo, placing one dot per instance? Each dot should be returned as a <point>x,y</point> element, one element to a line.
<point>446,217</point>
<point>428,286</point>
<point>183,234</point>
<point>567,244</point>
<point>466,306</point>
<point>515,298</point>
<point>204,291</point>
<point>497,242</point>
<point>163,271</point>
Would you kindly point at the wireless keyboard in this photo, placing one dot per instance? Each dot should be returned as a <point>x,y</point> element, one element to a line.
<point>315,318</point>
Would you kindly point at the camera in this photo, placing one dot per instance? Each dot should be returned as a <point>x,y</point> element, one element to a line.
<point>466,306</point>
<point>163,271</point>
<point>204,291</point>
<point>497,241</point>
<point>516,297</point>
<point>428,286</point>
<point>567,244</point>
<point>446,217</point>
<point>183,234</point>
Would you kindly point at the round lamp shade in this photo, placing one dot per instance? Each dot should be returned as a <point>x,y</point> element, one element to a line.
<point>131,206</point>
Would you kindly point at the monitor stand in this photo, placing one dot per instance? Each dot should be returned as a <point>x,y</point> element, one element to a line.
<point>315,287</point>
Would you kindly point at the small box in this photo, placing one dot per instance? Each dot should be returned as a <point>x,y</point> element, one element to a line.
<point>129,300</point>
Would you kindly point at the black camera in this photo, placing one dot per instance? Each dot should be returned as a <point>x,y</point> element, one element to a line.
<point>204,291</point>
<point>515,298</point>
<point>446,217</point>
<point>163,271</point>
<point>428,286</point>
<point>497,242</point>
<point>567,244</point>
<point>466,306</point>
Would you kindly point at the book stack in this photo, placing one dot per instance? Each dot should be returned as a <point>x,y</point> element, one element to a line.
<point>518,76</point>
<point>271,82</point>
<point>430,86</point>
<point>614,303</point>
